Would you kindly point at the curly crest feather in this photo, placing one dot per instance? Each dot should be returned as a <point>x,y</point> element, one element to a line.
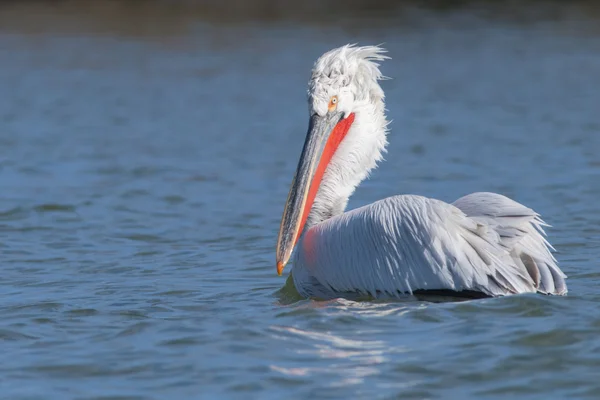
<point>349,66</point>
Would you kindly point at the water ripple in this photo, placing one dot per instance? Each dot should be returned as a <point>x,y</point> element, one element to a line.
<point>144,174</point>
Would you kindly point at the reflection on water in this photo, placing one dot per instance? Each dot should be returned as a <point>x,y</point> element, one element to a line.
<point>145,155</point>
<point>358,358</point>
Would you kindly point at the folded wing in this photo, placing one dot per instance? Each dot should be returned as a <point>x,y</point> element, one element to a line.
<point>403,244</point>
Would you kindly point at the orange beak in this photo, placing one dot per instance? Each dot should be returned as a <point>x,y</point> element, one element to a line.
<point>322,140</point>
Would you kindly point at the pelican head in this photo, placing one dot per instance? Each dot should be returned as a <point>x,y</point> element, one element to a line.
<point>346,136</point>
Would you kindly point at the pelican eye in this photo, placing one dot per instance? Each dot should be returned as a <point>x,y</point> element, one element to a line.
<point>332,103</point>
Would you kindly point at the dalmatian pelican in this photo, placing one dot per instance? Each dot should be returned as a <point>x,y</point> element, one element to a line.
<point>482,245</point>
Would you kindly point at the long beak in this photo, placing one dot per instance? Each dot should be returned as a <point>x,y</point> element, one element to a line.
<point>320,144</point>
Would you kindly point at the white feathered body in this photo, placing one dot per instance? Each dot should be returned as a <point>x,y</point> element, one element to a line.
<point>485,243</point>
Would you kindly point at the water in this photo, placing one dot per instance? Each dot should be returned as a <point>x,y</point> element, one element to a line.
<point>143,176</point>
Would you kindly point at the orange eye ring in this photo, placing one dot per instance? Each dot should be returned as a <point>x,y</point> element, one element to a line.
<point>332,103</point>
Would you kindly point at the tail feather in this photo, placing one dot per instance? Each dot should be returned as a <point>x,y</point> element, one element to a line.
<point>522,234</point>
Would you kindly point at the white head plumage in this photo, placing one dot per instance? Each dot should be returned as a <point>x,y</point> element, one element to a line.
<point>349,72</point>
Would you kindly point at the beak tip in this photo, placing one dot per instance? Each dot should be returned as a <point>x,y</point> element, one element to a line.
<point>280,266</point>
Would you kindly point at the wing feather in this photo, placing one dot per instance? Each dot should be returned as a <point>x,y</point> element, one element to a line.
<point>521,233</point>
<point>407,243</point>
